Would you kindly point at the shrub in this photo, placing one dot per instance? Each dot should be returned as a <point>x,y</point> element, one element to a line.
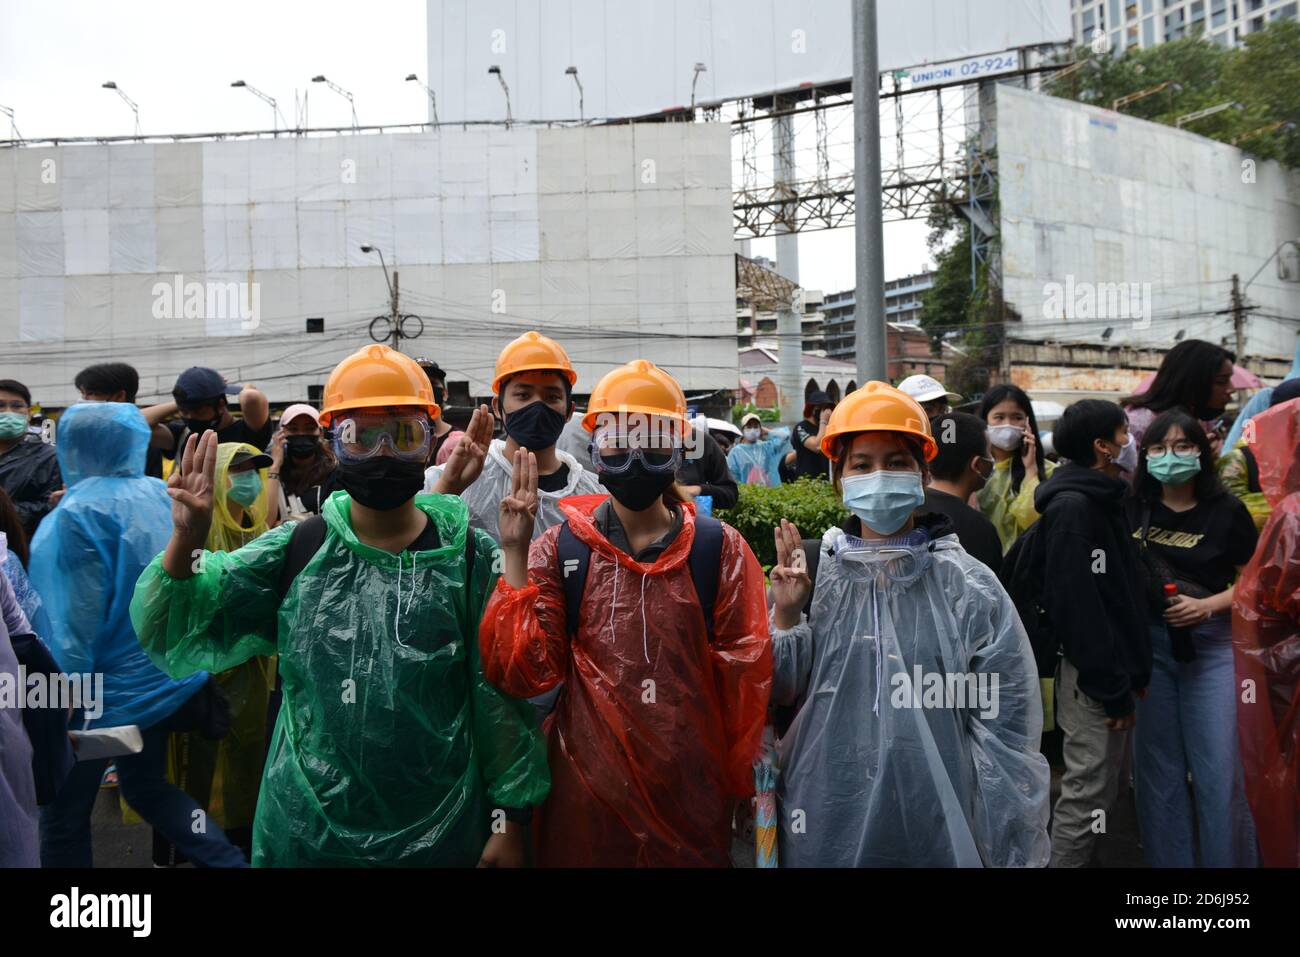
<point>812,504</point>
<point>766,416</point>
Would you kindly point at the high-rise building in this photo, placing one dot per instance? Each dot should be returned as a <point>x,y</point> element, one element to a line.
<point>902,305</point>
<point>1119,25</point>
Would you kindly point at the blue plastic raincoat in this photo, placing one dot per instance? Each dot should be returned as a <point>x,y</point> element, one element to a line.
<point>758,463</point>
<point>90,550</point>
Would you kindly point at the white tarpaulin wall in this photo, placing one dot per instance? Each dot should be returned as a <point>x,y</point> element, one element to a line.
<point>635,59</point>
<point>617,240</point>
<point>1091,199</point>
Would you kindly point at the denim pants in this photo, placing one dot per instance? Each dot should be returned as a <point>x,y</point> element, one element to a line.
<point>1188,722</point>
<point>65,824</point>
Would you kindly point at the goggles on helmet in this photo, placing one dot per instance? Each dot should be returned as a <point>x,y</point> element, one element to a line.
<point>357,436</point>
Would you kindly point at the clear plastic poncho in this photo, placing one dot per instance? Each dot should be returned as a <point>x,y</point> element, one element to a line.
<point>484,497</point>
<point>88,553</point>
<point>758,463</point>
<point>1266,642</point>
<point>391,748</point>
<point>877,770</point>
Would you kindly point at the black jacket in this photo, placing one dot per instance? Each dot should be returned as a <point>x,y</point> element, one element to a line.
<point>29,472</point>
<point>1092,592</point>
<point>710,472</point>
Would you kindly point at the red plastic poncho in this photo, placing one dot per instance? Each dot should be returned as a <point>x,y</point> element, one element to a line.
<point>1266,636</point>
<point>654,736</point>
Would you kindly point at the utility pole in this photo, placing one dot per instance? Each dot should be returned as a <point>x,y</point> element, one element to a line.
<point>1239,318</point>
<point>869,298</point>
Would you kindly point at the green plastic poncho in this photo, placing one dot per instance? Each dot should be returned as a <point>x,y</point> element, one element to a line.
<point>1011,512</point>
<point>391,748</point>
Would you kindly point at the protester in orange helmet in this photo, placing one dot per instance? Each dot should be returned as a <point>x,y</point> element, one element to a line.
<point>533,390</point>
<point>915,742</point>
<point>654,618</point>
<point>390,746</point>
<point>1266,639</point>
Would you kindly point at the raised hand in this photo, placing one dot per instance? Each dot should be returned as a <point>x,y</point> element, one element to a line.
<point>519,509</point>
<point>1027,454</point>
<point>789,579</point>
<point>191,487</point>
<point>465,463</point>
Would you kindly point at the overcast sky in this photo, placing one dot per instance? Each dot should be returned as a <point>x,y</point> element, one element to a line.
<point>177,60</point>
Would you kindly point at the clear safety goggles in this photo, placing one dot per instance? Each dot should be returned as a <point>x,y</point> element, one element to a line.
<point>614,450</point>
<point>899,564</point>
<point>362,435</point>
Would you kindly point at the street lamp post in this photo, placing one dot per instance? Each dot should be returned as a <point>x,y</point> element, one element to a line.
<point>695,78</point>
<point>573,72</point>
<point>496,70</point>
<point>341,92</point>
<point>110,85</point>
<point>275,110</point>
<point>433,100</point>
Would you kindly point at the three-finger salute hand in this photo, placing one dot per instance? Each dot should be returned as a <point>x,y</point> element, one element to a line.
<point>465,464</point>
<point>519,508</point>
<point>789,578</point>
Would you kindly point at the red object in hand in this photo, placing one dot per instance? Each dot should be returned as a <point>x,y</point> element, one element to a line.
<point>1171,591</point>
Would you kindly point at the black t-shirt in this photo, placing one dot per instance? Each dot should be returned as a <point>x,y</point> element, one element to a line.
<point>807,462</point>
<point>975,532</point>
<point>1204,544</point>
<point>237,431</point>
<point>555,481</point>
<point>428,539</point>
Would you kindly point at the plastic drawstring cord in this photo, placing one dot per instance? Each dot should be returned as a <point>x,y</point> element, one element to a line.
<point>410,599</point>
<point>875,610</point>
<point>614,603</point>
<point>645,646</point>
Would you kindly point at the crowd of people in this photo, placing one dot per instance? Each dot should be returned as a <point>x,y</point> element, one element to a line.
<point>358,635</point>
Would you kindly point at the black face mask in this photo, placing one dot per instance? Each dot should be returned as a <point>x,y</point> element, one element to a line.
<point>199,426</point>
<point>1208,415</point>
<point>301,446</point>
<point>637,488</point>
<point>439,395</point>
<point>535,426</point>
<point>382,483</point>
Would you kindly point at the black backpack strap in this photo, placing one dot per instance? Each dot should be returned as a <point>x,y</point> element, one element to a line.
<point>1252,469</point>
<point>574,558</point>
<point>304,541</point>
<point>705,561</point>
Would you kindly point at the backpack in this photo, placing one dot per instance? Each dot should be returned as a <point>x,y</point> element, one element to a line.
<point>1022,577</point>
<point>574,557</point>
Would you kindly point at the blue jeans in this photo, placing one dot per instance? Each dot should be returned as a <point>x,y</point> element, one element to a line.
<point>1188,722</point>
<point>65,824</point>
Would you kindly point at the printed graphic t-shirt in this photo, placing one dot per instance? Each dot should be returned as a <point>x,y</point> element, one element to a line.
<point>1205,544</point>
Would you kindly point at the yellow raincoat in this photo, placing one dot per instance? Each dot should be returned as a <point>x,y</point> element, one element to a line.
<point>1010,512</point>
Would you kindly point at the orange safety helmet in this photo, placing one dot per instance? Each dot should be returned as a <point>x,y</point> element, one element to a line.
<point>640,386</point>
<point>373,376</point>
<point>532,352</point>
<point>878,407</point>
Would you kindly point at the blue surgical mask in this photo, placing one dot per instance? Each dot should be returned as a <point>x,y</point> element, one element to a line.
<point>245,487</point>
<point>883,500</point>
<point>1174,469</point>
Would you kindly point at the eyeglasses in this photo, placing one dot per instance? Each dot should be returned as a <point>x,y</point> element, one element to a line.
<point>1184,449</point>
<point>614,451</point>
<point>363,435</point>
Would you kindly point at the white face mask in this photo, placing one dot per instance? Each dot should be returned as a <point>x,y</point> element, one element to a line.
<point>1128,455</point>
<point>1006,437</point>
<point>752,434</point>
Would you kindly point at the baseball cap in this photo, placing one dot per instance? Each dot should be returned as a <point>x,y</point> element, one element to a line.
<point>198,384</point>
<point>924,388</point>
<point>297,409</point>
<point>259,459</point>
<point>752,417</point>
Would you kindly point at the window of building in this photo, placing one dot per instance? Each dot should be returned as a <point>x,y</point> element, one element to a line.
<point>1149,32</point>
<point>1288,11</point>
<point>1114,19</point>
